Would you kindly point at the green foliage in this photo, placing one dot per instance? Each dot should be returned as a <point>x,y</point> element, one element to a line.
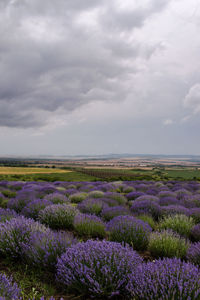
<point>78,197</point>
<point>178,223</point>
<point>58,216</point>
<point>86,227</point>
<point>149,220</point>
<point>8,193</point>
<point>96,194</point>
<point>167,244</point>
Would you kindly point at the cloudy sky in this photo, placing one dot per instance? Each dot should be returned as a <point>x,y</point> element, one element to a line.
<point>99,76</point>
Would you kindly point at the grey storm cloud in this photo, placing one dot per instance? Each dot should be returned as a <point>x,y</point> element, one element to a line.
<point>59,55</point>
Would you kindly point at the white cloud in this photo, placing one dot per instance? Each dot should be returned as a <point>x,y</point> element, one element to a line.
<point>192,99</point>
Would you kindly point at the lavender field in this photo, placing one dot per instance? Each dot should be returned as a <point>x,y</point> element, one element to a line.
<point>122,240</point>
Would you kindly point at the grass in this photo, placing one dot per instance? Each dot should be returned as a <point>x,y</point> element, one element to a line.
<point>54,176</point>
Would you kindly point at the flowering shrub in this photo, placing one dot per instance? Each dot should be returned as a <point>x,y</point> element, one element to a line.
<point>91,206</point>
<point>109,202</point>
<point>18,203</point>
<point>89,226</point>
<point>56,198</point>
<point>193,253</point>
<point>165,201</point>
<point>109,213</point>
<point>134,195</point>
<point>195,233</point>
<point>7,214</point>
<point>33,208</point>
<point>178,223</point>
<point>15,233</point>
<point>58,216</point>
<point>175,209</point>
<point>148,198</point>
<point>78,197</point>
<point>128,229</point>
<point>167,244</point>
<point>96,194</point>
<point>97,268</point>
<point>8,289</point>
<point>120,199</point>
<point>165,279</point>
<point>45,247</point>
<point>146,207</point>
<point>181,193</point>
<point>166,194</point>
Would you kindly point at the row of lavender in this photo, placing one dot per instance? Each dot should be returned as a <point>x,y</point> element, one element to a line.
<point>51,226</point>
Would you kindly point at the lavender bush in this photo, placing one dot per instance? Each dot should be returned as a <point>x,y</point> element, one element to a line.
<point>128,229</point>
<point>57,198</point>
<point>109,213</point>
<point>167,244</point>
<point>96,194</point>
<point>175,209</point>
<point>133,195</point>
<point>178,223</point>
<point>32,209</point>
<point>120,199</point>
<point>146,207</point>
<point>165,280</point>
<point>9,290</point>
<point>97,269</point>
<point>78,197</point>
<point>15,233</point>
<point>58,216</point>
<point>193,253</point>
<point>44,248</point>
<point>89,226</point>
<point>7,214</point>
<point>91,206</point>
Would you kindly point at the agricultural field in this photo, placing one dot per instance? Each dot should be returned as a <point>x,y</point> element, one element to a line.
<point>42,174</point>
<point>24,171</point>
<point>132,240</point>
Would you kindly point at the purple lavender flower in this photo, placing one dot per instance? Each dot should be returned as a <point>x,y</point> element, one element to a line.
<point>97,269</point>
<point>181,193</point>
<point>7,214</point>
<point>91,206</point>
<point>15,233</point>
<point>165,201</point>
<point>134,195</point>
<point>164,194</point>
<point>193,253</point>
<point>9,290</point>
<point>175,209</point>
<point>146,207</point>
<point>128,229</point>
<point>44,248</point>
<point>32,209</point>
<point>109,213</point>
<point>165,279</point>
<point>57,198</point>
